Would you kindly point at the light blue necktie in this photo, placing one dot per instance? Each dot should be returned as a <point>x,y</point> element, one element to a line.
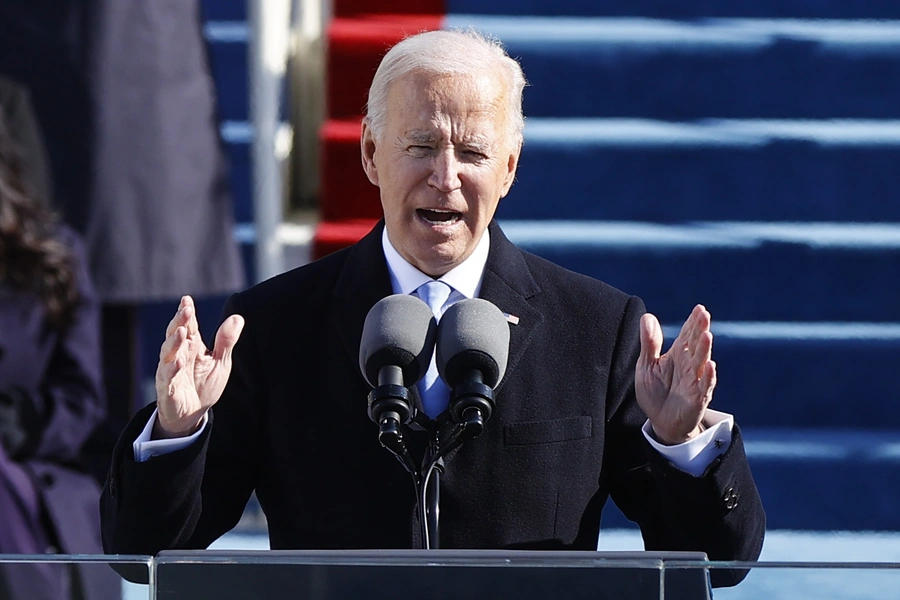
<point>434,392</point>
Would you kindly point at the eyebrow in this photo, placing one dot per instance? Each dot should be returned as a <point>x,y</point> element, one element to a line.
<point>420,136</point>
<point>478,143</point>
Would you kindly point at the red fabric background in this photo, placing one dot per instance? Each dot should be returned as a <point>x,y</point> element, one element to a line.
<point>357,40</point>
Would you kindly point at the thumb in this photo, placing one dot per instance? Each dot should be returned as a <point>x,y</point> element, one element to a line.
<point>651,339</point>
<point>227,336</point>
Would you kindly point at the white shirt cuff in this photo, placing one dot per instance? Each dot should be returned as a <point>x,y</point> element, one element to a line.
<point>146,448</point>
<point>695,455</point>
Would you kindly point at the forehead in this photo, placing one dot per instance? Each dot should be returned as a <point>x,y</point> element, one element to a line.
<point>422,100</point>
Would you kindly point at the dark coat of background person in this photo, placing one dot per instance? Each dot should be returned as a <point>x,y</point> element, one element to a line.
<point>127,107</point>
<point>18,115</point>
<point>54,376</point>
<point>565,435</point>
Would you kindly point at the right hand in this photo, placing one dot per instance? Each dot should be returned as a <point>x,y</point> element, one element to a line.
<point>189,378</point>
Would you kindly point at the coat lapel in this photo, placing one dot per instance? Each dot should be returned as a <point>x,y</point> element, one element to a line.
<point>509,284</point>
<point>363,281</point>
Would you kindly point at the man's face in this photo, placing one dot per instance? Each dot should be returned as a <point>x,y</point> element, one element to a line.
<point>442,164</point>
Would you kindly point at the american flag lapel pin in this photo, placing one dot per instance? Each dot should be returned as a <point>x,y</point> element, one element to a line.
<point>513,319</point>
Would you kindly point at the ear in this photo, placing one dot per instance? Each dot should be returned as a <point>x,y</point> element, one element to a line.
<point>512,164</point>
<point>367,151</point>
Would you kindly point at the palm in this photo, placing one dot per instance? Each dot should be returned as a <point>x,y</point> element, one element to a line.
<point>675,388</point>
<point>198,385</point>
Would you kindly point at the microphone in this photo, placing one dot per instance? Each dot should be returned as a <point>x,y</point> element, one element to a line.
<point>394,353</point>
<point>472,351</point>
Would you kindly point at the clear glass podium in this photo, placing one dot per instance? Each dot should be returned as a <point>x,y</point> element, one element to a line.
<point>431,574</point>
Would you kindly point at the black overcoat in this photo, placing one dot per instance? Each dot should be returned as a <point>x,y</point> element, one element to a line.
<point>565,435</point>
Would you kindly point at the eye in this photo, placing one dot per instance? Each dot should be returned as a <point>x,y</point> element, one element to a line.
<point>472,154</point>
<point>419,149</point>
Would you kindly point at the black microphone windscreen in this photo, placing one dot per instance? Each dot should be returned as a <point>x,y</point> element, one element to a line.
<point>399,330</point>
<point>473,334</point>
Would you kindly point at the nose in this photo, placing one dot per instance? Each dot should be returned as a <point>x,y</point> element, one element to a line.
<point>445,171</point>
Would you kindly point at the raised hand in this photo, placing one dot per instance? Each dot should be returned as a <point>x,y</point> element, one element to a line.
<point>190,378</point>
<point>674,389</point>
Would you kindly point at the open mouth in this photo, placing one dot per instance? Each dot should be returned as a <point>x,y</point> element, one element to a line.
<point>438,216</point>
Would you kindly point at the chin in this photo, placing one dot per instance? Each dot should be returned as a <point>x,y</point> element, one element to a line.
<point>438,264</point>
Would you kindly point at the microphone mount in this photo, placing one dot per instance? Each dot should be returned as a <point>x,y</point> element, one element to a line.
<point>471,404</point>
<point>389,407</point>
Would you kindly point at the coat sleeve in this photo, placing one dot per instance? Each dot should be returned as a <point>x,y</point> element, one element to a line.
<point>719,513</point>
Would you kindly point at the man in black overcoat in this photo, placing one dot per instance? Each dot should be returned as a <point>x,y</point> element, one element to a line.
<point>588,408</point>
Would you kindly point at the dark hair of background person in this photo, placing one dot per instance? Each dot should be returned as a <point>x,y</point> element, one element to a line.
<point>32,258</point>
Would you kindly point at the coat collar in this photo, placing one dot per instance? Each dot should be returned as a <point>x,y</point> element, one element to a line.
<point>508,283</point>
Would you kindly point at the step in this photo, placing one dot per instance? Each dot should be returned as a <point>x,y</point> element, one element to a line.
<point>228,56</point>
<point>356,8</point>
<point>354,50</point>
<point>612,169</point>
<point>344,190</point>
<point>801,9</point>
<point>237,136</point>
<point>725,68</point>
<point>224,10</point>
<point>831,375</point>
<point>654,68</point>
<point>820,479</point>
<point>627,169</point>
<point>741,271</point>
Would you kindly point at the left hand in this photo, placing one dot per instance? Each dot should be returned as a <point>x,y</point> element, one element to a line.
<point>674,389</point>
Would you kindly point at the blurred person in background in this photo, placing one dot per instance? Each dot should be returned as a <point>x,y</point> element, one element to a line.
<point>126,106</point>
<point>51,395</point>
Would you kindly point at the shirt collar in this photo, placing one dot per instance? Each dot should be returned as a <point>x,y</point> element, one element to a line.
<point>464,278</point>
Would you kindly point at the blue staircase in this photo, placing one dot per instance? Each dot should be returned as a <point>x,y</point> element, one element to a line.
<point>739,154</point>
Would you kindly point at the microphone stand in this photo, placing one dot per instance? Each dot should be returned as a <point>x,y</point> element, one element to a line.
<point>471,405</point>
<point>429,503</point>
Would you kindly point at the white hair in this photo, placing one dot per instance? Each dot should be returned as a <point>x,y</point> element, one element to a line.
<point>449,52</point>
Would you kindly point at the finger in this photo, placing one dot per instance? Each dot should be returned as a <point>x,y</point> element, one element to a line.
<point>704,319</point>
<point>701,350</point>
<point>651,339</point>
<point>694,329</point>
<point>708,381</point>
<point>190,313</point>
<point>173,344</point>
<point>697,322</point>
<point>227,336</point>
<point>177,320</point>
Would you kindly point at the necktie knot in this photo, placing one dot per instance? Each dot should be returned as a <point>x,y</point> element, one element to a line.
<point>435,295</point>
